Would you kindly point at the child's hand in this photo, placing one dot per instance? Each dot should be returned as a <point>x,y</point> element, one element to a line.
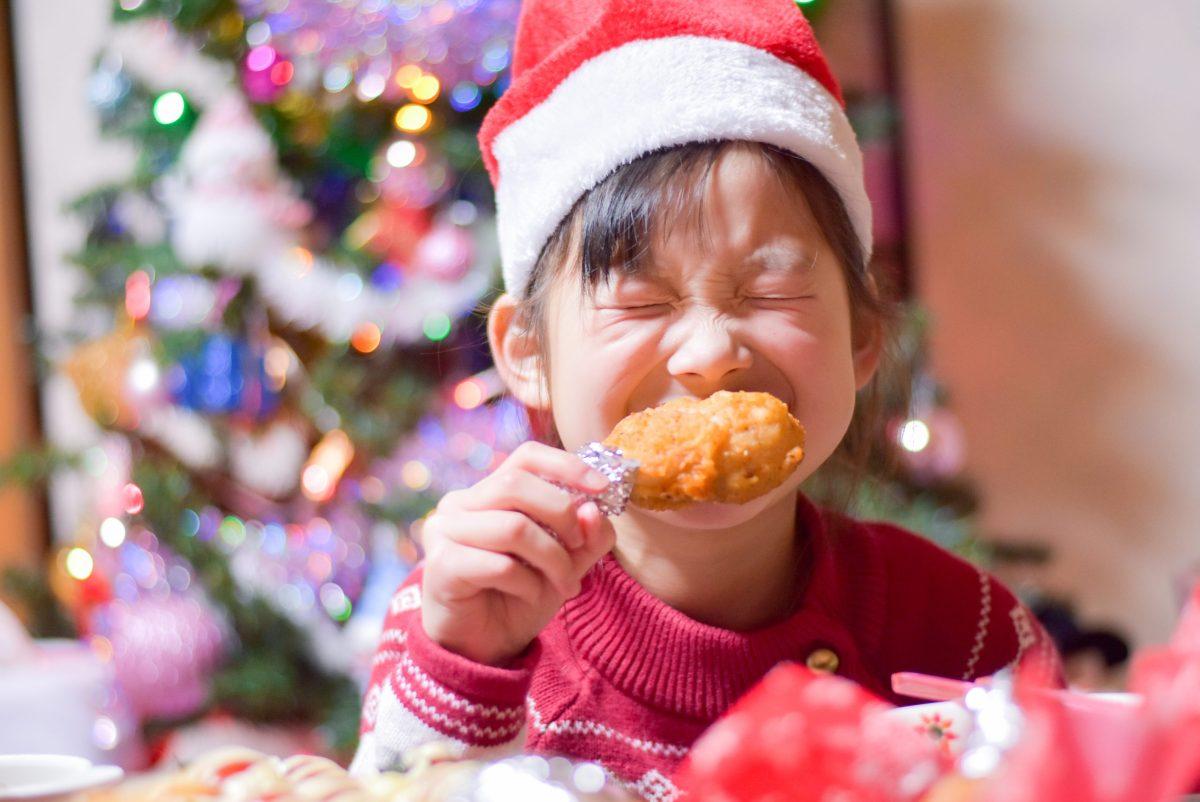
<point>494,576</point>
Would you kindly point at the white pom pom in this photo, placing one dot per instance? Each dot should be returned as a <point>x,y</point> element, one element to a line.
<point>269,461</point>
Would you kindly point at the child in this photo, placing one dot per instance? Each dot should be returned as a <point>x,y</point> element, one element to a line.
<point>681,210</point>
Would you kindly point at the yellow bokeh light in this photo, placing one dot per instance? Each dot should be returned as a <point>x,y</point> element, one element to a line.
<point>408,75</point>
<point>915,436</point>
<point>79,563</point>
<point>426,89</point>
<point>415,475</point>
<point>413,118</point>
<point>469,394</point>
<point>326,465</point>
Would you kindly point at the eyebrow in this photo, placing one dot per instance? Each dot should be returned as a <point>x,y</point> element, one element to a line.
<point>782,256</point>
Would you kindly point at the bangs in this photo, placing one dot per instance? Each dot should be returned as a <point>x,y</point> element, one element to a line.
<point>641,204</point>
<point>618,224</point>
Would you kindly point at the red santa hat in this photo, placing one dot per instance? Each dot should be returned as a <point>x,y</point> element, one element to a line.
<point>598,83</point>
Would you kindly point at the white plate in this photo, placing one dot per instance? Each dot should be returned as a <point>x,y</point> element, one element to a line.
<point>51,777</point>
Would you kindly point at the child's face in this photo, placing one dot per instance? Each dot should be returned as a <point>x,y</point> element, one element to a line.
<point>759,304</point>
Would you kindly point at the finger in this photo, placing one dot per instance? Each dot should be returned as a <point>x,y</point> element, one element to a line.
<point>469,571</point>
<point>523,492</point>
<point>599,537</point>
<point>514,534</point>
<point>557,465</point>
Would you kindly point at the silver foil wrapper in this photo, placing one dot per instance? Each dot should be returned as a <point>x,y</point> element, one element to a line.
<point>620,472</point>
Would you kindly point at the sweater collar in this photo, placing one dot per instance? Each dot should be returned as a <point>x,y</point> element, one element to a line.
<point>661,656</point>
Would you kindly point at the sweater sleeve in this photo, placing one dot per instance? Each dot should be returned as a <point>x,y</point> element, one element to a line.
<point>950,618</point>
<point>420,693</point>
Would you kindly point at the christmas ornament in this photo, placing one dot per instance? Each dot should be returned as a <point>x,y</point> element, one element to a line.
<point>225,375</point>
<point>229,204</point>
<point>445,253</point>
<point>103,372</point>
<point>391,231</point>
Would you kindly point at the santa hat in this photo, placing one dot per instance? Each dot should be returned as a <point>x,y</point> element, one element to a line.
<point>598,83</point>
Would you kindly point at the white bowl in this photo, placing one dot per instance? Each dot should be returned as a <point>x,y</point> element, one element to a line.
<point>51,777</point>
<point>948,723</point>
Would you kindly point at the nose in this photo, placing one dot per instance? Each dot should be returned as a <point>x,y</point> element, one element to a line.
<point>708,354</point>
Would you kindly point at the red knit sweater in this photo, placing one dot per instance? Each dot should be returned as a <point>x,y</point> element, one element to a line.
<point>621,678</point>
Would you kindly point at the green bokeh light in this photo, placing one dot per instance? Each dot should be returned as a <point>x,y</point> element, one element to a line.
<point>437,326</point>
<point>169,108</point>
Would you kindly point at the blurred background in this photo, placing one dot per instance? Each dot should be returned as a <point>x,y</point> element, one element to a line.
<point>246,242</point>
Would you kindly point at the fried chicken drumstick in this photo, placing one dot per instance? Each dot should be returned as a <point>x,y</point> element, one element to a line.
<point>730,447</point>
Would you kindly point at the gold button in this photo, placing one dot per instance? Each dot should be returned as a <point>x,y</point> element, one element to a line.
<point>823,661</point>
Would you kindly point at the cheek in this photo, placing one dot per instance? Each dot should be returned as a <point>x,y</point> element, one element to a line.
<point>594,368</point>
<point>814,354</point>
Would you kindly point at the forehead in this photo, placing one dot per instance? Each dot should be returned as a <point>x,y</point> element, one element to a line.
<point>743,215</point>
<point>746,203</point>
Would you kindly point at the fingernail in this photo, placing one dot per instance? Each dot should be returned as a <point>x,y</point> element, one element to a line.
<point>596,480</point>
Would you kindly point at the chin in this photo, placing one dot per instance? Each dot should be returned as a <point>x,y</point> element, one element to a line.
<point>711,515</point>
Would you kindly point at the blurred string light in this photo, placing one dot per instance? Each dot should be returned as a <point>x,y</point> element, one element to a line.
<point>112,532</point>
<point>914,435</point>
<point>426,89</point>
<point>143,375</point>
<point>277,364</point>
<point>413,118</point>
<point>416,475</point>
<point>401,153</point>
<point>301,568</point>
<point>137,295</point>
<point>349,42</point>
<point>469,393</point>
<point>169,108</point>
<point>366,338</point>
<point>79,563</point>
<point>437,326</point>
<point>465,96</point>
<point>326,464</point>
<point>132,498</point>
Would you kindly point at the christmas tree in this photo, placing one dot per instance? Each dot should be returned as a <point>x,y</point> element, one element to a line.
<point>290,370</point>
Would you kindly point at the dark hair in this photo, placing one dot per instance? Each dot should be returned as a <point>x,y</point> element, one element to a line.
<point>611,226</point>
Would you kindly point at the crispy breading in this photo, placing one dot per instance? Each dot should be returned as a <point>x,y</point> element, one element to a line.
<point>730,447</point>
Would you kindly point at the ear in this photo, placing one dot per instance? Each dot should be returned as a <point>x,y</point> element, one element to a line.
<point>868,346</point>
<point>515,353</point>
